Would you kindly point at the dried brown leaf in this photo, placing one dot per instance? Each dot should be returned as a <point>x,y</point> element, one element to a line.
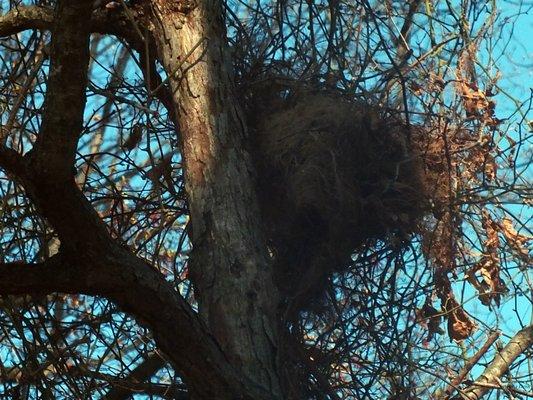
<point>517,241</point>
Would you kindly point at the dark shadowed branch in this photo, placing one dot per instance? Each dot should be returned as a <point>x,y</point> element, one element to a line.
<point>93,263</point>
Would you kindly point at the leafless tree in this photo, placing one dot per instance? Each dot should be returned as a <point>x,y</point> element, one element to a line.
<point>262,200</point>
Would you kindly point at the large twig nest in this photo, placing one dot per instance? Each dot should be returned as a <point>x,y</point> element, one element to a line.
<point>333,174</point>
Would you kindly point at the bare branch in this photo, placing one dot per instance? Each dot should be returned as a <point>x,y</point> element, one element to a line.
<point>520,343</point>
<point>140,290</point>
<point>45,277</point>
<point>22,18</point>
<point>148,367</point>
<point>104,21</point>
<point>54,151</point>
<point>472,362</point>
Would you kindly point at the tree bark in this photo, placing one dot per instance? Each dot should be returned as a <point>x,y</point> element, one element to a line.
<point>490,377</point>
<point>231,253</point>
<point>231,268</point>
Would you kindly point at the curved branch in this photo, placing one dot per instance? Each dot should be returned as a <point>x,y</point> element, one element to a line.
<point>104,21</point>
<point>140,290</point>
<point>62,121</point>
<point>471,363</point>
<point>21,18</point>
<point>90,262</point>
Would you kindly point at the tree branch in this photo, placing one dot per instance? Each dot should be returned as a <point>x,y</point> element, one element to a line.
<point>145,370</point>
<point>39,278</point>
<point>22,18</point>
<point>90,261</point>
<point>140,290</point>
<point>62,121</point>
<point>471,363</point>
<point>520,343</point>
<point>104,21</point>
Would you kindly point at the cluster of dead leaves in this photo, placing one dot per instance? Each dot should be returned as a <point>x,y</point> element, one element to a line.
<point>478,159</point>
<point>477,103</point>
<point>491,286</point>
<point>164,169</point>
<point>430,318</point>
<point>455,159</point>
<point>459,324</point>
<point>439,245</point>
<point>134,138</point>
<point>516,241</point>
<point>440,240</point>
<point>460,161</point>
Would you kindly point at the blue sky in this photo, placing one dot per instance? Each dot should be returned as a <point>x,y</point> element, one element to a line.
<point>516,66</point>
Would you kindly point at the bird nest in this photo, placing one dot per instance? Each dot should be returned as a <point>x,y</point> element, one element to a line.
<point>333,174</point>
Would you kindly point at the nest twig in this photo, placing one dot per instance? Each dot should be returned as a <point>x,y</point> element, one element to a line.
<point>333,174</point>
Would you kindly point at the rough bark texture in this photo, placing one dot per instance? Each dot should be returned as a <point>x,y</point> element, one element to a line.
<point>490,378</point>
<point>230,265</point>
<point>104,21</point>
<point>90,262</point>
<point>229,350</point>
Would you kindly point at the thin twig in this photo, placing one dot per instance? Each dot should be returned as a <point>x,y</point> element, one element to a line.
<point>470,363</point>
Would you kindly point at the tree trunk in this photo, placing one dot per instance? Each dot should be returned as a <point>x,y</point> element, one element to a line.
<point>230,265</point>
